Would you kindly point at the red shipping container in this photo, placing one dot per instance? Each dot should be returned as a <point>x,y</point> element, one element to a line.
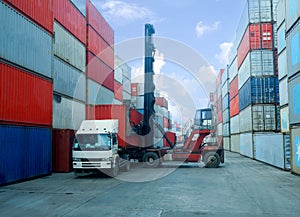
<point>134,89</point>
<point>219,104</point>
<point>234,106</point>
<point>234,88</point>
<point>99,71</point>
<point>220,117</point>
<point>24,98</point>
<point>62,142</point>
<point>118,91</point>
<point>266,36</point>
<point>40,11</point>
<point>96,20</point>
<point>99,47</point>
<point>161,101</point>
<point>219,78</point>
<point>68,16</point>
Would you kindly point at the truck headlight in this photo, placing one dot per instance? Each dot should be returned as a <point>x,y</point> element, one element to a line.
<point>76,159</point>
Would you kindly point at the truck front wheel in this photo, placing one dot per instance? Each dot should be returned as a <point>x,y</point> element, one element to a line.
<point>212,159</point>
<point>115,170</point>
<point>151,159</point>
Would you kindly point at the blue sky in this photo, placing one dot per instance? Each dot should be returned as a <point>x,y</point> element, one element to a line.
<point>206,26</point>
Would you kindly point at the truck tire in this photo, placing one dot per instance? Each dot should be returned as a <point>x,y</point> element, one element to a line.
<point>151,159</point>
<point>212,160</point>
<point>115,171</point>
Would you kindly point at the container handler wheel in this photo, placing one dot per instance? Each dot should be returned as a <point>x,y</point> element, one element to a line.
<point>151,159</point>
<point>212,159</point>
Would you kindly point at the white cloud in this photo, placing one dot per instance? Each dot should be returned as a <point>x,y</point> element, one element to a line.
<point>124,10</point>
<point>202,28</point>
<point>223,55</point>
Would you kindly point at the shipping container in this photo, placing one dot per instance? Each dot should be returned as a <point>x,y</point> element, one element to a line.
<point>246,120</point>
<point>68,81</point>
<point>134,89</point>
<point>219,77</point>
<point>246,144</point>
<point>118,75</point>
<point>21,38</point>
<point>220,129</point>
<point>67,113</point>
<point>233,70</point>
<point>127,85</point>
<point>62,143</point>
<point>226,116</point>
<point>280,9</point>
<point>117,102</point>
<point>235,125</point>
<point>24,97</point>
<point>98,94</point>
<point>226,143</point>
<point>70,18</point>
<point>292,12</point>
<point>225,88</point>
<point>282,64</point>
<point>284,120</point>
<point>283,91</point>
<point>234,106</point>
<point>264,118</point>
<point>68,48</point>
<point>269,148</point>
<point>294,100</point>
<point>99,47</point>
<point>126,95</point>
<point>118,92</point>
<point>80,5</point>
<point>233,88</point>
<point>25,152</point>
<point>220,117</point>
<point>235,143</point>
<point>98,71</point>
<point>225,76</point>
<point>226,129</point>
<point>96,20</point>
<point>287,151</point>
<point>275,36</point>
<point>161,101</point>
<point>281,38</point>
<point>160,120</point>
<point>138,102</point>
<point>293,50</point>
<point>39,11</point>
<point>295,147</point>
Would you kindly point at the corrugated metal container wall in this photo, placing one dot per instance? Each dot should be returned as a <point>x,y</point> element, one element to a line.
<point>246,119</point>
<point>68,48</point>
<point>282,65</point>
<point>67,114</point>
<point>260,11</point>
<point>35,43</point>
<point>294,100</point>
<point>264,118</point>
<point>99,71</point>
<point>97,94</point>
<point>233,88</point>
<point>99,47</point>
<point>39,11</point>
<point>245,95</point>
<point>283,91</point>
<point>126,95</point>
<point>246,144</point>
<point>281,38</point>
<point>284,120</point>
<point>293,50</point>
<point>292,12</point>
<point>235,124</point>
<point>80,5</point>
<point>62,142</point>
<point>225,88</point>
<point>226,129</point>
<point>24,97</point>
<point>220,129</point>
<point>287,151</point>
<point>233,70</point>
<point>235,143</point>
<point>226,143</point>
<point>243,24</point>
<point>280,9</point>
<point>25,152</point>
<point>269,148</point>
<point>127,85</point>
<point>68,81</point>
<point>118,92</point>
<point>225,102</point>
<point>96,20</point>
<point>118,74</point>
<point>224,76</point>
<point>226,115</point>
<point>69,17</point>
<point>220,117</point>
<point>234,106</point>
<point>295,140</point>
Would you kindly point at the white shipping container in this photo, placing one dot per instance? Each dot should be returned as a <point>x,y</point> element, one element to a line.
<point>246,144</point>
<point>283,91</point>
<point>282,64</point>
<point>292,9</point>
<point>246,119</point>
<point>280,9</point>
<point>233,70</point>
<point>269,148</point>
<point>284,120</point>
<point>226,143</point>
<point>117,102</point>
<point>235,124</point>
<point>118,75</point>
<point>220,129</point>
<point>127,85</point>
<point>235,143</point>
<point>281,42</point>
<point>126,95</point>
<point>225,88</point>
<point>68,48</point>
<point>226,116</point>
<point>264,117</point>
<point>160,120</point>
<point>226,129</point>
<point>244,71</point>
<point>138,102</point>
<point>67,113</point>
<point>98,94</point>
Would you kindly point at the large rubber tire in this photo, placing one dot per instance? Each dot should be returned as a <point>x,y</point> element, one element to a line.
<point>151,159</point>
<point>212,160</point>
<point>115,171</point>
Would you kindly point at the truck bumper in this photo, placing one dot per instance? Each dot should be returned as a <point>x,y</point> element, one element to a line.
<point>92,165</point>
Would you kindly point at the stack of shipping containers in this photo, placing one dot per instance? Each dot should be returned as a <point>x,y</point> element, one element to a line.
<point>289,74</point>
<point>26,87</point>
<point>121,68</point>
<point>69,81</point>
<point>218,107</point>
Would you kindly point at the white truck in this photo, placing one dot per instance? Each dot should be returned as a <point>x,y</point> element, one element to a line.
<point>96,149</point>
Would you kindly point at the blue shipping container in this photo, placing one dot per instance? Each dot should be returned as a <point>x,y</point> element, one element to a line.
<point>25,152</point>
<point>294,100</point>
<point>225,102</point>
<point>293,50</point>
<point>23,42</point>
<point>68,80</point>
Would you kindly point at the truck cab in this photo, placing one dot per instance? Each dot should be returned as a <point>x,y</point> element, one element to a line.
<point>95,148</point>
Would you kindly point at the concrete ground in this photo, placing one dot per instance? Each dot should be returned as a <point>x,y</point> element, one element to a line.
<point>241,187</point>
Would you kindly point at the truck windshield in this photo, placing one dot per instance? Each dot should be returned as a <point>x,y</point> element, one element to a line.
<point>92,142</point>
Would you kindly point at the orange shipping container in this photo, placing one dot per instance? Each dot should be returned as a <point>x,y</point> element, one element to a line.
<point>234,88</point>
<point>234,106</point>
<point>118,91</point>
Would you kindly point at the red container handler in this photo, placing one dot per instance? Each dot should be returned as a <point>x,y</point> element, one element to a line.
<point>99,71</point>
<point>99,47</point>
<point>172,137</point>
<point>24,97</point>
<point>62,142</point>
<point>40,11</point>
<point>68,16</point>
<point>134,89</point>
<point>118,91</point>
<point>99,24</point>
<point>234,88</point>
<point>234,106</point>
